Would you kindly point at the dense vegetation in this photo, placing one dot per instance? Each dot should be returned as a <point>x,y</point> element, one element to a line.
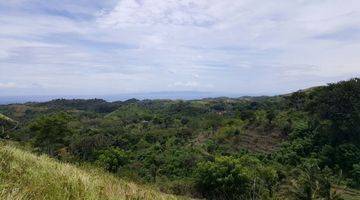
<point>25,176</point>
<point>304,145</point>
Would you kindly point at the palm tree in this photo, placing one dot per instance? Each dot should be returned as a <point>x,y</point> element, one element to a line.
<point>311,184</point>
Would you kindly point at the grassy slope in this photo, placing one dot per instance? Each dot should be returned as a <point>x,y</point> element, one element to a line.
<point>24,175</point>
<point>347,193</point>
<point>6,119</point>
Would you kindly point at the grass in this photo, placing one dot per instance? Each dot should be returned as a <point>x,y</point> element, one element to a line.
<point>347,193</point>
<point>24,175</point>
<point>6,119</point>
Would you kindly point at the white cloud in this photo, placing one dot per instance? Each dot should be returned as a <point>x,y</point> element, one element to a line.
<point>151,45</point>
<point>169,12</point>
<point>8,85</point>
<point>179,85</point>
<point>284,26</point>
<point>185,84</point>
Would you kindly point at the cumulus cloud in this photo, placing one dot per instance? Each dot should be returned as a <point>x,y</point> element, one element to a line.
<point>116,46</point>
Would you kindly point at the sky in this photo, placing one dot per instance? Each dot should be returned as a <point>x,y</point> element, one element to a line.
<point>92,47</point>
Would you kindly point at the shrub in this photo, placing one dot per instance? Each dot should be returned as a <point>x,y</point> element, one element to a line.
<point>348,155</point>
<point>355,175</point>
<point>231,178</point>
<point>309,182</point>
<point>51,132</point>
<point>112,159</point>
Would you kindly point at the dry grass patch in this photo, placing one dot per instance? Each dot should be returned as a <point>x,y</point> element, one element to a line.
<point>24,175</point>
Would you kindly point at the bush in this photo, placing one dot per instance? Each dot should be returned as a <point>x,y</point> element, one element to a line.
<point>85,147</point>
<point>309,182</point>
<point>347,155</point>
<point>231,178</point>
<point>355,175</point>
<point>225,177</point>
<point>51,132</point>
<point>112,159</point>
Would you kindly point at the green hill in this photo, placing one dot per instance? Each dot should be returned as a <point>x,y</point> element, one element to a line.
<point>304,145</point>
<point>24,175</point>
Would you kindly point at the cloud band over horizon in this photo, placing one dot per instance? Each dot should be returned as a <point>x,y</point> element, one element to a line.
<point>127,46</point>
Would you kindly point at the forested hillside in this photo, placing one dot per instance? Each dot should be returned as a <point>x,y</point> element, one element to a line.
<point>304,145</point>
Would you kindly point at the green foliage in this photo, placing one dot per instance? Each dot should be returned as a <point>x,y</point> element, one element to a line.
<point>86,147</point>
<point>227,132</point>
<point>261,117</point>
<point>4,120</point>
<point>25,176</point>
<point>181,162</point>
<point>347,155</point>
<point>6,123</point>
<point>309,182</point>
<point>113,159</point>
<point>292,152</point>
<point>173,143</point>
<point>340,104</point>
<point>283,122</point>
<point>95,105</point>
<point>355,174</point>
<point>231,178</point>
<point>214,122</point>
<point>51,132</point>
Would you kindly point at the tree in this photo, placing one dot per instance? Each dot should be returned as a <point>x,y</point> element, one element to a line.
<point>152,159</point>
<point>297,100</point>
<point>86,146</point>
<point>261,118</point>
<point>214,121</point>
<point>235,178</point>
<point>270,115</point>
<point>6,122</point>
<point>113,159</point>
<point>224,177</point>
<point>51,132</point>
<point>340,104</point>
<point>310,183</point>
<point>347,155</point>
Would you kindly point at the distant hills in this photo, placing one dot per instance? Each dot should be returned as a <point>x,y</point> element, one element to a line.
<point>185,95</point>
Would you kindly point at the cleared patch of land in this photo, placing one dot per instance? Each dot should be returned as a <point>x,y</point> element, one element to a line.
<point>257,141</point>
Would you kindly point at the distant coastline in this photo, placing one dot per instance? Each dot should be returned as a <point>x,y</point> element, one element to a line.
<point>183,95</point>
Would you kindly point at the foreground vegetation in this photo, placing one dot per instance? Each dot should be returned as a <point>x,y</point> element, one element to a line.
<point>26,176</point>
<point>304,145</point>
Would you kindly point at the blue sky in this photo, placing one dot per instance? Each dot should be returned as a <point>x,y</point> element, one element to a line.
<point>91,47</point>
